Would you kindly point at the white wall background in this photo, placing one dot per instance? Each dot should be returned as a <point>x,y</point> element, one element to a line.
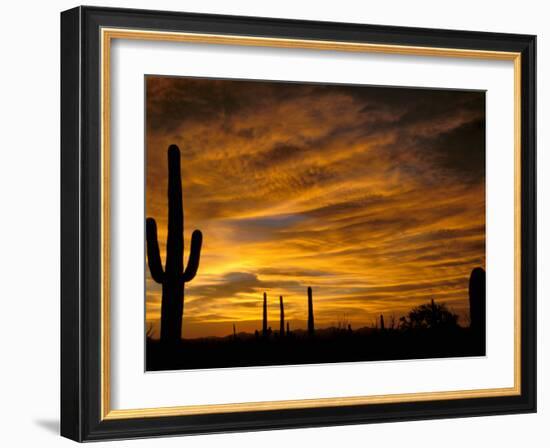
<point>29,229</point>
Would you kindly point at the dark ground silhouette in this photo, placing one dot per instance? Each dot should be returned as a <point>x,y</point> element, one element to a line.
<point>430,330</point>
<point>327,346</point>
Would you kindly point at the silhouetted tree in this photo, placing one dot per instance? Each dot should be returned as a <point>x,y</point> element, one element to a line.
<point>310,320</point>
<point>430,316</point>
<point>173,277</point>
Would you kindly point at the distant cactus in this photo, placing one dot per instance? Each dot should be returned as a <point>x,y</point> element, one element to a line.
<point>234,332</point>
<point>282,318</point>
<point>310,320</point>
<point>382,322</point>
<point>264,323</point>
<point>478,311</point>
<point>173,277</point>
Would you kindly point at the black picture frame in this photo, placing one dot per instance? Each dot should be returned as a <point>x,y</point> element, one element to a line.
<point>81,208</point>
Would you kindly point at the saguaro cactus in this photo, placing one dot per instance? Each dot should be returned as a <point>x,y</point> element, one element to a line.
<point>174,276</point>
<point>282,318</point>
<point>478,311</point>
<point>382,322</point>
<point>310,320</point>
<point>264,324</point>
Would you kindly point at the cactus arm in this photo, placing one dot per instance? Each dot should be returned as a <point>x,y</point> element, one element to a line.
<point>194,257</point>
<point>153,253</point>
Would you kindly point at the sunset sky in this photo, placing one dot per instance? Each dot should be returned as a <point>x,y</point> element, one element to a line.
<point>373,196</point>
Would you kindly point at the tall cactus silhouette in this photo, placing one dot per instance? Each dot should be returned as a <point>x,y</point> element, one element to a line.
<point>282,318</point>
<point>264,322</point>
<point>174,276</point>
<point>382,327</point>
<point>310,320</point>
<point>478,311</point>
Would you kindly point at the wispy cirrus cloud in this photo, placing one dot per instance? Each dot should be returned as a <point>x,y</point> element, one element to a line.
<point>373,196</point>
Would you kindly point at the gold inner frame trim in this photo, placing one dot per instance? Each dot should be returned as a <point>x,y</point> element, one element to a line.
<point>107,35</point>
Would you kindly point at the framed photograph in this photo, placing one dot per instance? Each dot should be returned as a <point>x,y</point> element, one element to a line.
<point>275,224</point>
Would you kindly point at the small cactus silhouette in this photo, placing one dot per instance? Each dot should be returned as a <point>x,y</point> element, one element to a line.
<point>174,276</point>
<point>264,322</point>
<point>310,320</point>
<point>382,322</point>
<point>282,318</point>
